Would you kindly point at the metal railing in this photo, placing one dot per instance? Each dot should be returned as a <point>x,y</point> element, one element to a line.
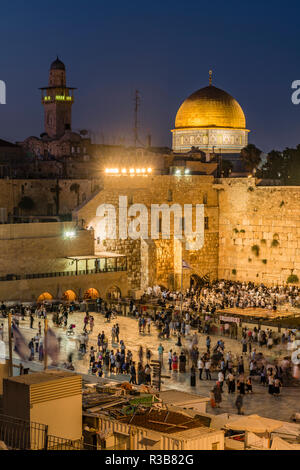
<point>20,434</point>
<point>63,273</point>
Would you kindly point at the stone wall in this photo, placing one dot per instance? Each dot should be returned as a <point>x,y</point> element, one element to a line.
<point>43,193</point>
<point>31,289</point>
<point>41,247</point>
<point>163,264</point>
<point>259,231</point>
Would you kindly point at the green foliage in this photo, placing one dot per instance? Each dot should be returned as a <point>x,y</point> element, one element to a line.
<point>255,250</point>
<point>235,230</point>
<point>263,240</point>
<point>249,260</point>
<point>234,272</point>
<point>281,204</point>
<point>242,231</point>
<point>274,243</point>
<point>250,189</point>
<point>292,279</point>
<point>264,261</point>
<point>251,156</point>
<point>284,166</point>
<point>275,235</point>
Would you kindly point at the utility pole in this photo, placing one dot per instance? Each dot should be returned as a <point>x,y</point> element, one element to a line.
<point>10,363</point>
<point>45,343</point>
<point>137,101</point>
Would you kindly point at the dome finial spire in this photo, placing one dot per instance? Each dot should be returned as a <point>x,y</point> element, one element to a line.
<point>210,77</point>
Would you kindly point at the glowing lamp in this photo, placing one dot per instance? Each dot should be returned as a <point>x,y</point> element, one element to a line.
<point>131,170</point>
<point>149,170</point>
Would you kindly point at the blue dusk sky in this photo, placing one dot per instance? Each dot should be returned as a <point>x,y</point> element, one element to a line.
<point>162,48</point>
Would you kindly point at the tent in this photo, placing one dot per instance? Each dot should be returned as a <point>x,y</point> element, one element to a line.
<point>253,423</point>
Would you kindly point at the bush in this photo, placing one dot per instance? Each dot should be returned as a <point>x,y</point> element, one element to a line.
<point>292,279</point>
<point>264,261</point>
<point>281,204</point>
<point>274,242</point>
<point>250,188</point>
<point>235,230</point>
<point>234,271</point>
<point>255,250</point>
<point>249,260</point>
<point>242,231</point>
<point>263,240</point>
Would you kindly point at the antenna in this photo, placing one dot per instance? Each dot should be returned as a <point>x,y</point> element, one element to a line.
<point>210,77</point>
<point>137,101</point>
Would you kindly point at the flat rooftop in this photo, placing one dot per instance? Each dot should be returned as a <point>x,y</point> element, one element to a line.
<point>41,377</point>
<point>175,397</point>
<point>166,421</point>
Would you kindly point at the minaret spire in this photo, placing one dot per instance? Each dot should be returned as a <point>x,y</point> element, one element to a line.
<point>210,77</point>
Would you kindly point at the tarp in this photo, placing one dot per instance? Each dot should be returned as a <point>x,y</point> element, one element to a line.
<point>280,444</point>
<point>253,423</point>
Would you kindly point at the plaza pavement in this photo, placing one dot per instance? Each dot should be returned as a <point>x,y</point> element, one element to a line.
<point>260,402</point>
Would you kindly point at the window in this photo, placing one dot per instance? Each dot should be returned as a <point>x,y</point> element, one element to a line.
<point>170,195</point>
<point>130,200</point>
<point>206,223</point>
<point>160,224</point>
<point>205,198</point>
<point>72,149</point>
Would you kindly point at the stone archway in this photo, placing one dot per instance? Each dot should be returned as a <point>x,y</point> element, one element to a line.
<point>44,296</point>
<point>113,293</point>
<point>197,282</point>
<point>69,295</point>
<point>91,294</point>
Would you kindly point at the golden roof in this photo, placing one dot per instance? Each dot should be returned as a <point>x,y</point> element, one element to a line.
<point>210,107</point>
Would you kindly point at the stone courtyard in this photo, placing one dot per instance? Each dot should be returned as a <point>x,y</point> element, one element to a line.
<point>260,402</point>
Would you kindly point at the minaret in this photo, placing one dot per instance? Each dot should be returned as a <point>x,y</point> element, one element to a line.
<point>57,101</point>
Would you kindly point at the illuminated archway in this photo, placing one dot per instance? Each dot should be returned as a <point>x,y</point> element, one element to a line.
<point>113,293</point>
<point>44,296</point>
<point>91,294</point>
<point>69,295</point>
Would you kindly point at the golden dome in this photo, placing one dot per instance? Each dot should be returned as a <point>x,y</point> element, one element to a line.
<point>210,107</point>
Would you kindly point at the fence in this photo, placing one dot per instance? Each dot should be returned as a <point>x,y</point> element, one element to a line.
<point>20,434</point>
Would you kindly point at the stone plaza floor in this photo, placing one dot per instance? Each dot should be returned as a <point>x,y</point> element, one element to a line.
<point>260,402</point>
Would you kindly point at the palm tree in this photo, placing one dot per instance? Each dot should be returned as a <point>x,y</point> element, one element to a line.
<point>76,188</point>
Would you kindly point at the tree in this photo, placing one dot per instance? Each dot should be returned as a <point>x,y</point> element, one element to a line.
<point>75,187</point>
<point>26,204</point>
<point>251,156</point>
<point>227,168</point>
<point>275,166</point>
<point>282,165</point>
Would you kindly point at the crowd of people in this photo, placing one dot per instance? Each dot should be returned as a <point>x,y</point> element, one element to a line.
<point>178,317</point>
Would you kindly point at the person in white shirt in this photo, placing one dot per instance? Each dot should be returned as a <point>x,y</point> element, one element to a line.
<point>221,379</point>
<point>207,370</point>
<point>200,368</point>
